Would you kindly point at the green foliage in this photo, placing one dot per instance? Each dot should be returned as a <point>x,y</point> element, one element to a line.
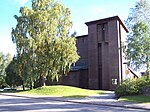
<point>12,78</point>
<point>138,45</point>
<point>131,86</point>
<point>64,91</point>
<point>2,71</point>
<point>2,64</point>
<point>138,49</point>
<point>4,61</point>
<point>44,44</point>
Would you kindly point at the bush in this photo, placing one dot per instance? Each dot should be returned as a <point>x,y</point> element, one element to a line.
<point>132,86</point>
<point>146,90</point>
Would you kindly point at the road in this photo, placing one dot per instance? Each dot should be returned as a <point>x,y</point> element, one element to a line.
<point>17,104</point>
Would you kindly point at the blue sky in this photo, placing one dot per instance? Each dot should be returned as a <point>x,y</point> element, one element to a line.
<point>81,11</point>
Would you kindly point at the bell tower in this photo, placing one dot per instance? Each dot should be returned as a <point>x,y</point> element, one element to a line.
<point>104,53</point>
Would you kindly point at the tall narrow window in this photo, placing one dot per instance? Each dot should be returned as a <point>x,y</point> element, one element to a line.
<point>103,32</point>
<point>99,54</point>
<point>100,65</point>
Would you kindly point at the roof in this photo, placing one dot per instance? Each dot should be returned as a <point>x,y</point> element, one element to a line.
<point>106,20</point>
<point>81,36</point>
<point>76,68</point>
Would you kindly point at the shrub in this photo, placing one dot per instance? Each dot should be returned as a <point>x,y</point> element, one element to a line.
<point>132,86</point>
<point>146,90</point>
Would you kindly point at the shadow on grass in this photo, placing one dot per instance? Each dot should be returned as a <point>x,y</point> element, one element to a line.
<point>13,91</point>
<point>82,96</point>
<point>137,99</point>
<point>75,96</point>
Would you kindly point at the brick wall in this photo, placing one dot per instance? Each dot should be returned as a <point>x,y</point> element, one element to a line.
<point>99,51</point>
<point>82,46</point>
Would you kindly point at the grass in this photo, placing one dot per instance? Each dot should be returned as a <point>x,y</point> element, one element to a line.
<point>62,91</point>
<point>137,99</point>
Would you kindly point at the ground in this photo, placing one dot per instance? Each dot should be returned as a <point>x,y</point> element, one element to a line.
<point>102,103</point>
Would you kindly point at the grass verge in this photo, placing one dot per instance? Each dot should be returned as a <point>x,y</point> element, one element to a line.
<point>62,91</point>
<point>137,99</point>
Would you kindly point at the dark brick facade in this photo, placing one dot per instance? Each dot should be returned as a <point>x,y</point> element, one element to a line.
<point>100,63</point>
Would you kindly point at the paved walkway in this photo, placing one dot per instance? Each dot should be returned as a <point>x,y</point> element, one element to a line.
<point>107,99</point>
<point>110,100</point>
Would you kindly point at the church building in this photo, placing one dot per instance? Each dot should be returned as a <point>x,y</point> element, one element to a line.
<point>101,57</point>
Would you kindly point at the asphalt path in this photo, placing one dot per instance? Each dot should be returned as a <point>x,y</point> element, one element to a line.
<point>24,104</point>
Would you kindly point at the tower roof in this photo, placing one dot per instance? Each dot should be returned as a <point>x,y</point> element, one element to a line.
<point>100,21</point>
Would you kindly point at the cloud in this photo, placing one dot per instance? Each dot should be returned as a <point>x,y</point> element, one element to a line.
<point>22,2</point>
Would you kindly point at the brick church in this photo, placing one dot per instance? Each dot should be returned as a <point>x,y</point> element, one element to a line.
<point>101,58</point>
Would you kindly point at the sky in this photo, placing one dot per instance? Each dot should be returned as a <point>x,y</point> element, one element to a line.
<point>81,11</point>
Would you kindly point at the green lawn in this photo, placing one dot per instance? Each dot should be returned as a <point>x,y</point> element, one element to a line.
<point>138,99</point>
<point>62,91</point>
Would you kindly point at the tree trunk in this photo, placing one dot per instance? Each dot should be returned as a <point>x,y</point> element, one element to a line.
<point>148,70</point>
<point>23,85</point>
<point>40,82</point>
<point>31,86</point>
<point>31,83</point>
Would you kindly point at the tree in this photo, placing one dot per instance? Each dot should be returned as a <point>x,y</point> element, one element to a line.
<point>43,40</point>
<point>8,58</point>
<point>12,78</point>
<point>20,69</point>
<point>4,61</point>
<point>2,69</point>
<point>138,49</point>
